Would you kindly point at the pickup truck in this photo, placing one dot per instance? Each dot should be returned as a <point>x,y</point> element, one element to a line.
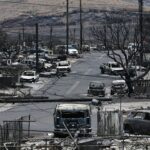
<point>111,68</point>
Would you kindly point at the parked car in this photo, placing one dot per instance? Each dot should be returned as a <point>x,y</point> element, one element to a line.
<point>72,51</point>
<point>63,67</point>
<point>96,88</point>
<point>138,122</point>
<point>119,87</point>
<point>29,76</point>
<point>51,73</point>
<point>132,46</point>
<point>111,68</point>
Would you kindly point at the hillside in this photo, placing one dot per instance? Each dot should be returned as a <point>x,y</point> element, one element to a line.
<point>14,8</point>
<point>14,14</point>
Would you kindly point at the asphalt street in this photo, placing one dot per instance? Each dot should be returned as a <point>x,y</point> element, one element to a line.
<point>74,84</point>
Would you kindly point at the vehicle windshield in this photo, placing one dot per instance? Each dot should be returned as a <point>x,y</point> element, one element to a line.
<point>119,85</point>
<point>96,85</point>
<point>69,114</point>
<point>115,65</point>
<point>28,73</point>
<point>63,64</point>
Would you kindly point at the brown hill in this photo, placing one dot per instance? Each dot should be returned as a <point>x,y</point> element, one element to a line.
<point>13,8</point>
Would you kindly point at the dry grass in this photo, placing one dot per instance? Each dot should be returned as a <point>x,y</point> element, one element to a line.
<point>46,7</point>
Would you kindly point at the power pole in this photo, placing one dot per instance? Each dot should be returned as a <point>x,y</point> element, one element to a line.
<point>37,47</point>
<point>51,34</point>
<point>141,29</point>
<point>74,35</point>
<point>81,27</point>
<point>105,34</point>
<point>23,38</point>
<point>67,25</point>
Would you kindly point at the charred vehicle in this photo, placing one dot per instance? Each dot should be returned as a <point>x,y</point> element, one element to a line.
<point>119,87</point>
<point>72,118</point>
<point>96,88</point>
<point>138,122</point>
<point>63,67</point>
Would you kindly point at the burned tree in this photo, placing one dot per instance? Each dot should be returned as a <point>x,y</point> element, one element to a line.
<point>116,34</point>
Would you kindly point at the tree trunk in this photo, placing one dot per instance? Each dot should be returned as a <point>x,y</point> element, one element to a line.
<point>129,84</point>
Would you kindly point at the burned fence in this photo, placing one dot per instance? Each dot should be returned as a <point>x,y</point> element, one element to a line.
<point>142,87</point>
<point>15,130</point>
<point>109,123</point>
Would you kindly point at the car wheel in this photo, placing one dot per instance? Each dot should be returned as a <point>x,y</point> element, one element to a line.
<point>128,129</point>
<point>112,93</point>
<point>102,71</point>
<point>33,80</point>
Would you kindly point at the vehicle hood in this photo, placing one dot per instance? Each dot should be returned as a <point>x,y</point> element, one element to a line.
<point>72,51</point>
<point>116,69</point>
<point>27,77</point>
<point>59,67</point>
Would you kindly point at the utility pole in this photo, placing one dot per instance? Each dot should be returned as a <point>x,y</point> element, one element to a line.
<point>105,34</point>
<point>51,34</point>
<point>67,25</point>
<point>81,27</point>
<point>141,29</point>
<point>23,38</point>
<point>19,42</point>
<point>74,35</point>
<point>37,47</point>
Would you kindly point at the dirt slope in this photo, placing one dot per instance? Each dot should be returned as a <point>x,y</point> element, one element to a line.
<point>14,8</point>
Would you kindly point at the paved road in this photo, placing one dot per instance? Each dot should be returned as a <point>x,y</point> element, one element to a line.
<point>73,85</point>
<point>76,83</point>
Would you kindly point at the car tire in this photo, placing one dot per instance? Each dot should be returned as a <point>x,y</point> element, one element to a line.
<point>102,71</point>
<point>128,129</point>
<point>112,93</point>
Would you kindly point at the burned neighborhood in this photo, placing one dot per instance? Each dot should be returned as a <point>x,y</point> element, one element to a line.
<point>75,75</point>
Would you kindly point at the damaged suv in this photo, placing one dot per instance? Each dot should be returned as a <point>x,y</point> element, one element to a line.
<point>96,88</point>
<point>72,118</point>
<point>119,87</point>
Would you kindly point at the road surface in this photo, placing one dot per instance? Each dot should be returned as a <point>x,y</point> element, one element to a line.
<point>75,84</point>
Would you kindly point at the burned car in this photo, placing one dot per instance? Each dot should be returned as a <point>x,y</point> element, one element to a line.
<point>96,88</point>
<point>138,122</point>
<point>72,117</point>
<point>119,87</point>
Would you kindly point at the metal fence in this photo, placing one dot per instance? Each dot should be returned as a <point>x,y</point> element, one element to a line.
<point>142,87</point>
<point>15,130</point>
<point>109,123</point>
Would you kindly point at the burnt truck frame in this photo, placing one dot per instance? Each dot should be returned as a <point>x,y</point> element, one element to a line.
<point>75,118</point>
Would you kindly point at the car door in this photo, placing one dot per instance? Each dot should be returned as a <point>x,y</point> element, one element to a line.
<point>145,124</point>
<point>142,123</point>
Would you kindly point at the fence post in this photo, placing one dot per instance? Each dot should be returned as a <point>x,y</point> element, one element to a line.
<point>29,126</point>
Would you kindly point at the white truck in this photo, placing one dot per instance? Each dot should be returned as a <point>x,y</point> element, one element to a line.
<point>111,68</point>
<point>63,67</point>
